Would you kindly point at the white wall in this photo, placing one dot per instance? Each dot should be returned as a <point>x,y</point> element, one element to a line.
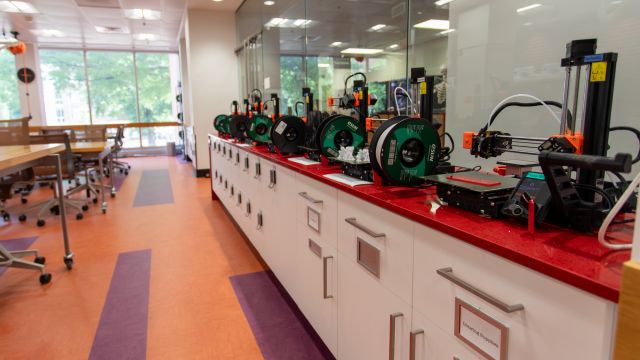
<point>34,103</point>
<point>496,52</point>
<point>212,70</point>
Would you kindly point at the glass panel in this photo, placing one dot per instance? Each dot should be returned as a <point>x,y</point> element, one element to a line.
<point>131,138</point>
<point>502,47</point>
<point>10,100</point>
<point>64,87</point>
<point>337,46</point>
<point>159,136</point>
<point>428,45</point>
<point>155,90</point>
<point>291,83</point>
<point>112,86</point>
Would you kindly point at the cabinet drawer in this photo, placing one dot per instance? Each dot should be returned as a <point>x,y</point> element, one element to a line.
<point>317,208</point>
<point>558,321</point>
<point>379,241</point>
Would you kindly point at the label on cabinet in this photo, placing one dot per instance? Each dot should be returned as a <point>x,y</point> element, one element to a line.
<point>480,331</point>
<point>313,219</point>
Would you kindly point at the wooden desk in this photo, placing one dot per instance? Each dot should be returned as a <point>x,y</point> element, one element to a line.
<point>20,157</point>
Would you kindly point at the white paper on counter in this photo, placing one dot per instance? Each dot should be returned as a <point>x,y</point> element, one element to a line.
<point>347,180</point>
<point>244,145</point>
<point>303,161</point>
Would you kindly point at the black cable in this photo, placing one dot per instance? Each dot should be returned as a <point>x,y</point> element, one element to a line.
<point>352,75</point>
<point>633,130</point>
<point>597,190</point>
<point>527,104</point>
<point>453,143</point>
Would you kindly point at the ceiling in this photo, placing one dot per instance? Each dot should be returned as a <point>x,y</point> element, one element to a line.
<point>75,21</point>
<point>346,21</point>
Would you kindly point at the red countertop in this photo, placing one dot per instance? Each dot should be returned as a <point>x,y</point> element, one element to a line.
<point>568,256</point>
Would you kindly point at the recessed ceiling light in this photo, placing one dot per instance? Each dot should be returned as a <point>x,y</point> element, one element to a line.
<point>442,2</point>
<point>217,0</point>
<point>144,37</point>
<point>48,33</point>
<point>528,7</point>
<point>378,27</point>
<point>301,22</point>
<point>336,43</point>
<point>269,2</point>
<point>361,51</point>
<point>433,24</point>
<point>17,7</point>
<point>276,21</point>
<point>143,14</point>
<point>393,46</point>
<point>323,65</point>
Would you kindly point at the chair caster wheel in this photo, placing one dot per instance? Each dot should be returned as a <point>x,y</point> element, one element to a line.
<point>95,201</point>
<point>24,200</point>
<point>40,223</point>
<point>104,211</point>
<point>79,216</point>
<point>22,218</point>
<point>113,194</point>
<point>45,278</point>
<point>121,171</point>
<point>126,173</point>
<point>6,217</point>
<point>85,207</point>
<point>68,263</point>
<point>40,260</point>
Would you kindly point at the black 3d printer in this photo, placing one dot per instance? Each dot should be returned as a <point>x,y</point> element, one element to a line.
<point>553,195</point>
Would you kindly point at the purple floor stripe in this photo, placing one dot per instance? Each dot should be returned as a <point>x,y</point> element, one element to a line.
<point>15,245</point>
<point>279,327</point>
<point>122,332</point>
<point>154,188</point>
<point>118,180</point>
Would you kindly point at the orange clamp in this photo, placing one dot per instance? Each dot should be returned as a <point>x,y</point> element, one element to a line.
<point>467,139</point>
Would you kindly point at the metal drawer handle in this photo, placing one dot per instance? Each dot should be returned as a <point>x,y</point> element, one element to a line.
<point>392,334</point>
<point>258,170</point>
<point>412,343</point>
<point>259,218</point>
<point>248,212</point>
<point>309,198</point>
<point>365,229</point>
<point>272,178</point>
<point>325,294</point>
<point>239,199</point>
<point>447,273</point>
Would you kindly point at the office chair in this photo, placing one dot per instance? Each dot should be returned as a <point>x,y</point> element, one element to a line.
<point>118,146</point>
<point>48,175</point>
<point>14,132</point>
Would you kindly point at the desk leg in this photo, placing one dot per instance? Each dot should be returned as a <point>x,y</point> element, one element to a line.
<point>68,255</point>
<point>102,190</point>
<point>113,188</point>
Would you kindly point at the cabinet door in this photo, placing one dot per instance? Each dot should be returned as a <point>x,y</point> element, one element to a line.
<point>557,321</point>
<point>378,240</point>
<point>367,314</point>
<point>280,235</point>
<point>315,288</point>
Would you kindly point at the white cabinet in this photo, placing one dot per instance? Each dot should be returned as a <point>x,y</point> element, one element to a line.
<point>315,288</point>
<point>368,282</point>
<point>558,321</point>
<point>379,241</point>
<point>373,323</point>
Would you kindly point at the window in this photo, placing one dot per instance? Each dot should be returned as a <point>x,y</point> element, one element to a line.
<point>122,86</point>
<point>9,97</point>
<point>157,75</point>
<point>64,87</point>
<point>112,86</point>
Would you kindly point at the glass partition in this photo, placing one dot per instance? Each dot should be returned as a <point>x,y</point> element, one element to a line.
<point>10,103</point>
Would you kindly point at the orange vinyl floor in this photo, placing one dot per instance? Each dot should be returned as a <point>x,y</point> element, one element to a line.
<point>193,312</point>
